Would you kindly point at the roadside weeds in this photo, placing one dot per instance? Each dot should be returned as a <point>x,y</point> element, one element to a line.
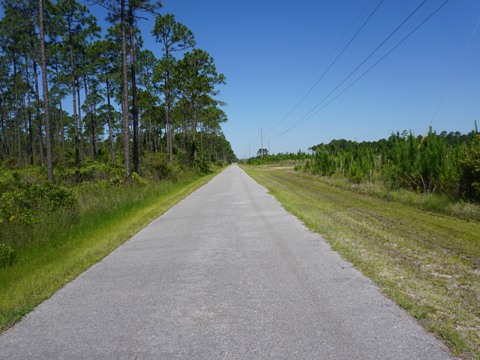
<point>41,270</point>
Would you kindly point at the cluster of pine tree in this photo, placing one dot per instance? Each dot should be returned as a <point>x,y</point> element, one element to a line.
<point>125,103</point>
<point>264,158</point>
<point>446,163</point>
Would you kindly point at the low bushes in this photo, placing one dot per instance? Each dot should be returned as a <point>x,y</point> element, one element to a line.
<point>7,255</point>
<point>447,164</point>
<point>26,202</point>
<point>470,170</point>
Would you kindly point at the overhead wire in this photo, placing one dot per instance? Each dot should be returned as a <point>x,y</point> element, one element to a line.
<point>454,74</point>
<point>364,61</point>
<point>312,112</point>
<point>320,66</point>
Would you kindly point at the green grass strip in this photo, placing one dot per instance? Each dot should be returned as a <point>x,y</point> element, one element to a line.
<point>428,263</point>
<point>39,271</point>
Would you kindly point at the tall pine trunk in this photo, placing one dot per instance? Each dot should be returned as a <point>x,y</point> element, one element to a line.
<point>134,91</point>
<point>45,95</point>
<point>168,127</point>
<point>28,116</point>
<point>110,123</point>
<point>74,97</point>
<point>37,109</point>
<point>125,114</point>
<point>17,114</point>
<point>80,126</point>
<point>89,111</point>
<point>3,118</point>
<point>62,129</point>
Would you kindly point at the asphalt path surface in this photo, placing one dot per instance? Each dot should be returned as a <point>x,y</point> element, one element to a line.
<point>227,273</point>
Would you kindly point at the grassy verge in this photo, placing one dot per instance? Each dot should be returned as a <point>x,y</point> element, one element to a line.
<point>438,203</point>
<point>60,252</point>
<point>428,263</point>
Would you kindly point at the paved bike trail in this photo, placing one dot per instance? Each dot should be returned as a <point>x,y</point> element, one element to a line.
<point>227,273</point>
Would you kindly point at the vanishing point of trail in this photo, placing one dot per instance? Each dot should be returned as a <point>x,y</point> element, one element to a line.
<point>225,274</point>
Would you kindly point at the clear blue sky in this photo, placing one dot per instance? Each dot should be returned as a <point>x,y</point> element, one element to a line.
<point>272,53</point>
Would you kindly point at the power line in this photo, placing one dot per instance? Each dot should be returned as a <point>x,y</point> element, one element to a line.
<point>341,52</point>
<point>365,60</point>
<point>309,115</point>
<point>454,74</point>
<point>323,62</point>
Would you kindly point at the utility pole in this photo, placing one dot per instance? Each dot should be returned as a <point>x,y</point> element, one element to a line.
<point>261,141</point>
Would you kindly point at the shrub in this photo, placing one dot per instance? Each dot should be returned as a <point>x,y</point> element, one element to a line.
<point>137,179</point>
<point>428,164</point>
<point>91,171</point>
<point>7,256</point>
<point>157,166</point>
<point>470,170</point>
<point>10,163</point>
<point>203,167</point>
<point>27,202</point>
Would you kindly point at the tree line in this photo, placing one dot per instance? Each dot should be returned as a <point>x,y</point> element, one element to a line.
<point>435,163</point>
<point>445,163</point>
<point>125,102</point>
